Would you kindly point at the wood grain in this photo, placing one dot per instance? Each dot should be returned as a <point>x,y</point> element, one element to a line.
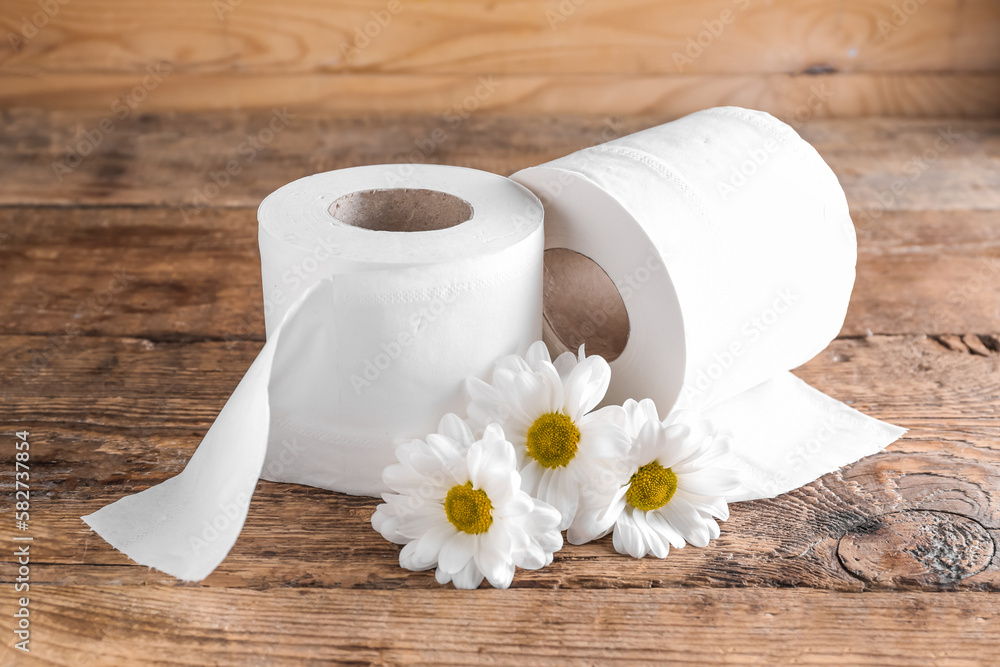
<point>848,95</point>
<point>147,160</point>
<point>149,404</point>
<point>137,272</point>
<point>542,627</point>
<point>94,37</point>
<point>128,320</point>
<point>639,56</point>
<point>929,251</point>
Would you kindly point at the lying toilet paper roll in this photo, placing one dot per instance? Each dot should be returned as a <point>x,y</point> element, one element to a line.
<point>705,258</point>
<point>379,303</point>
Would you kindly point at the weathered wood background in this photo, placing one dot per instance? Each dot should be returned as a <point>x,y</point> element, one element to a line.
<point>128,318</point>
<point>794,58</point>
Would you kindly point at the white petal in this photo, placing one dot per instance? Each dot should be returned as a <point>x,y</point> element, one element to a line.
<point>482,391</point>
<point>688,522</point>
<point>457,552</point>
<point>406,480</point>
<point>537,353</point>
<point>454,427</point>
<point>417,455</point>
<point>647,443</point>
<point>532,556</point>
<point>554,398</point>
<point>482,413</point>
<point>713,506</point>
<point>531,476</point>
<point>585,387</point>
<point>600,437</point>
<point>532,394</point>
<point>626,538</point>
<point>386,523</point>
<point>505,381</point>
<point>425,551</point>
<point>562,493</point>
<point>519,504</point>
<point>493,557</point>
<point>512,362</point>
<point>586,527</point>
<point>659,523</point>
<point>421,520</point>
<point>422,554</point>
<point>711,482</point>
<point>713,527</point>
<point>442,576</point>
<point>538,529</point>
<point>475,462</point>
<point>564,365</point>
<point>598,481</point>
<point>635,417</point>
<point>654,544</point>
<point>615,508</point>
<point>468,578</point>
<point>545,486</point>
<point>699,441</point>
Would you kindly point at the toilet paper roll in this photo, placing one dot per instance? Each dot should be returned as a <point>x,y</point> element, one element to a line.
<point>705,258</point>
<point>379,302</point>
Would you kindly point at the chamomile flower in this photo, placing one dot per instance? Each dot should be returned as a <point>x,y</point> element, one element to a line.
<point>547,411</point>
<point>676,491</point>
<point>458,506</point>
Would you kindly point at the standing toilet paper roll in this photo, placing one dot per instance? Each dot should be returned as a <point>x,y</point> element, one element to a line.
<point>705,258</point>
<point>379,302</point>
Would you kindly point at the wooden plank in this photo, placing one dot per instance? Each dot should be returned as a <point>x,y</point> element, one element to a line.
<point>148,272</point>
<point>95,37</point>
<point>148,405</point>
<point>891,560</point>
<point>183,385</point>
<point>168,159</point>
<point>194,625</point>
<point>886,164</point>
<point>847,95</point>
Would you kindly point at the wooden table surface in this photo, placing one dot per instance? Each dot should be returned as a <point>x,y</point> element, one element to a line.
<point>131,307</point>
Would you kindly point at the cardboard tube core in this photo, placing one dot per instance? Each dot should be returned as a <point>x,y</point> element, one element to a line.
<point>401,210</point>
<point>581,304</point>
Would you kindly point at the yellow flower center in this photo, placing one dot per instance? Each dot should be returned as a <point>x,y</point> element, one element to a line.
<point>468,509</point>
<point>652,487</point>
<point>552,440</point>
